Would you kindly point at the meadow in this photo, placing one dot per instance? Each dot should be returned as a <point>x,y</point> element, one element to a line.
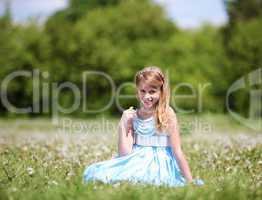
<point>42,160</point>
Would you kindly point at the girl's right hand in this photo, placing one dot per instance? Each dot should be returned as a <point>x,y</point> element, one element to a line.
<point>127,117</point>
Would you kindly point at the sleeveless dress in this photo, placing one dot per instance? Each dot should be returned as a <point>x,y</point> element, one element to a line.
<point>150,162</point>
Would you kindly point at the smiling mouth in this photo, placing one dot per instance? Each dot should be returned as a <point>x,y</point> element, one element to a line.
<point>148,102</point>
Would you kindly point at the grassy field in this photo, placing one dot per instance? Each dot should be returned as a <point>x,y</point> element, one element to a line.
<point>42,160</point>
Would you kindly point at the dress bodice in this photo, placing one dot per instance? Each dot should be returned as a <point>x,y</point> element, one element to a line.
<point>146,134</point>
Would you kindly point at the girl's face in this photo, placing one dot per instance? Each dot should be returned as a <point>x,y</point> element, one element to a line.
<point>148,95</point>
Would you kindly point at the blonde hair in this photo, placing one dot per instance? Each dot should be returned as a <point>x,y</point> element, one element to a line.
<point>154,77</point>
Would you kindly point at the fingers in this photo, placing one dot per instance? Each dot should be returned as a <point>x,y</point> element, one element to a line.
<point>128,116</point>
<point>129,127</point>
<point>129,111</point>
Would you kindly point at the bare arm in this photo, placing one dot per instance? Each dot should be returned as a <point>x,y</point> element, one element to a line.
<point>176,146</point>
<point>125,133</point>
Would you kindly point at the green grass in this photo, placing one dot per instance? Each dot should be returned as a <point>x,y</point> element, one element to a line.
<point>39,162</point>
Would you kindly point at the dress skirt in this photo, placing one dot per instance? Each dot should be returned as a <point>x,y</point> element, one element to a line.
<point>145,164</point>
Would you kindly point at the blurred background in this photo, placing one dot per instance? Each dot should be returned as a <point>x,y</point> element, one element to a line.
<point>209,49</point>
<point>204,44</point>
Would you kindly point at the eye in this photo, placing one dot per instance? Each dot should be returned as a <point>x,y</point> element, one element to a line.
<point>152,91</point>
<point>142,91</point>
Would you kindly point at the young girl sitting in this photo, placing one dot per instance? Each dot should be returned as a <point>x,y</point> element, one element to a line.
<point>149,148</point>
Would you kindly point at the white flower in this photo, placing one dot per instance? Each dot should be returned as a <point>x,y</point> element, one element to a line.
<point>45,165</point>
<point>30,171</point>
<point>53,182</point>
<point>70,174</point>
<point>116,185</point>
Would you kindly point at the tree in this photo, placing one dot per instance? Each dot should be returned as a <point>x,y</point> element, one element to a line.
<point>243,44</point>
<point>243,10</point>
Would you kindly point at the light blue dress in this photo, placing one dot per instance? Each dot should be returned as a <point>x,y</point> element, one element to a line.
<point>150,162</point>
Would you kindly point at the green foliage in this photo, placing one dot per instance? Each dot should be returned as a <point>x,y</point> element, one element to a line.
<point>79,8</point>
<point>119,37</point>
<point>243,10</point>
<point>244,50</point>
<point>106,39</point>
<point>243,46</point>
<point>22,48</point>
<point>196,59</point>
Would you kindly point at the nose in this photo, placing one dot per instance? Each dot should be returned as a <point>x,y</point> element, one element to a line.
<point>147,96</point>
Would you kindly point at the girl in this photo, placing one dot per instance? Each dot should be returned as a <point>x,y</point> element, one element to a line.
<point>149,149</point>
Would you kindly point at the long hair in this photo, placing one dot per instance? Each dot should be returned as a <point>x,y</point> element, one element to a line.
<point>154,77</point>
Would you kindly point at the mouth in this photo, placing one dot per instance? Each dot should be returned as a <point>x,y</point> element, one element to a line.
<point>148,102</point>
